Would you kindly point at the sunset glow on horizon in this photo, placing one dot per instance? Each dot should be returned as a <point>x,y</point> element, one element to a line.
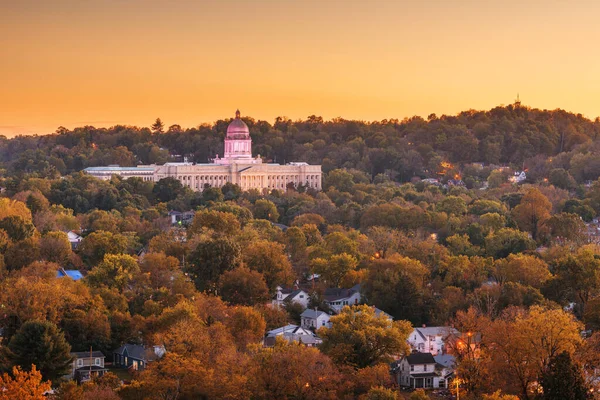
<point>73,63</point>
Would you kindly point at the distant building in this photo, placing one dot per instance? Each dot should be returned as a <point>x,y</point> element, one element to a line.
<point>284,295</point>
<point>237,166</point>
<point>430,339</point>
<point>314,319</point>
<point>292,333</point>
<point>74,238</point>
<point>136,356</point>
<point>87,365</point>
<point>71,273</point>
<point>337,298</point>
<point>422,370</point>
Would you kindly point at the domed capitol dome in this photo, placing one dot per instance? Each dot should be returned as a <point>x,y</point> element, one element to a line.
<point>238,129</point>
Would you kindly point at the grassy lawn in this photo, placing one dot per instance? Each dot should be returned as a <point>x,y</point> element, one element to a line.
<point>122,373</point>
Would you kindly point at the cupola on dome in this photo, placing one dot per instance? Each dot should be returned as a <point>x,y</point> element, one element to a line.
<point>238,129</point>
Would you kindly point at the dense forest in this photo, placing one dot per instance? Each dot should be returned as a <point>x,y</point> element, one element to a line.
<point>515,264</point>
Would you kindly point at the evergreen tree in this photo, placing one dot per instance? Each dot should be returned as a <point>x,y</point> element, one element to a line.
<point>42,344</point>
<point>158,126</point>
<point>563,380</point>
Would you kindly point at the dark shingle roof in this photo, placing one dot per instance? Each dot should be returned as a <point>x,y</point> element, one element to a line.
<point>420,358</point>
<point>133,350</point>
<point>86,354</point>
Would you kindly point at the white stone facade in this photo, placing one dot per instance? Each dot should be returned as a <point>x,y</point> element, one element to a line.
<point>237,167</point>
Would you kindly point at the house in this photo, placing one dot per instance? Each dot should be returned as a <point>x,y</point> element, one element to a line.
<point>135,356</point>
<point>292,333</point>
<point>379,312</point>
<point>421,370</point>
<point>181,218</point>
<point>290,295</point>
<point>430,339</point>
<point>74,239</point>
<point>336,298</point>
<point>518,177</point>
<point>86,364</point>
<point>314,319</point>
<point>71,273</point>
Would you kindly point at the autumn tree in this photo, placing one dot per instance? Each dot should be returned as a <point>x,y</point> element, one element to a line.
<point>23,385</point>
<point>55,247</point>
<point>115,270</point>
<point>359,338</point>
<point>335,268</point>
<point>533,210</point>
<point>269,259</point>
<point>292,371</point>
<point>221,222</point>
<point>243,286</point>
<point>522,344</point>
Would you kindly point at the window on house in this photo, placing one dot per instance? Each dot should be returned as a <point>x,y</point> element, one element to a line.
<point>425,368</point>
<point>79,362</point>
<point>97,361</point>
<point>301,296</point>
<point>412,368</point>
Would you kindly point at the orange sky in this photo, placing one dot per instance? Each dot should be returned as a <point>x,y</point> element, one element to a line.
<point>78,62</point>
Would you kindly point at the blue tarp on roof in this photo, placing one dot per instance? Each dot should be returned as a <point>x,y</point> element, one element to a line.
<point>71,273</point>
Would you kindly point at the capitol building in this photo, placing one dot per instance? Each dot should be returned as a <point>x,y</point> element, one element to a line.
<point>236,166</point>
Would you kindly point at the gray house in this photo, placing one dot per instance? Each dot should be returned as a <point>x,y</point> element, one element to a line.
<point>87,365</point>
<point>135,356</point>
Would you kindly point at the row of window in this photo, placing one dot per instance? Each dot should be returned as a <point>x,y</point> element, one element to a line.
<point>97,361</point>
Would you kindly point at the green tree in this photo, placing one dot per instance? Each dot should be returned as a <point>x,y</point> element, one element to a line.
<point>210,259</point>
<point>17,227</point>
<point>158,126</point>
<point>265,209</point>
<point>563,380</point>
<point>167,189</point>
<point>359,338</point>
<point>96,245</point>
<point>40,343</point>
<point>115,270</point>
<point>507,241</point>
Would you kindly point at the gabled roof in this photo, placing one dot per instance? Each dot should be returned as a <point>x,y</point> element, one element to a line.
<point>420,358</point>
<point>310,313</point>
<point>86,354</point>
<point>335,294</point>
<point>445,360</point>
<point>289,329</point>
<point>137,351</point>
<point>435,331</point>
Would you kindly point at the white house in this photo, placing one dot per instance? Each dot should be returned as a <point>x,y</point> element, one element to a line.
<point>293,295</point>
<point>292,333</point>
<point>337,298</point>
<point>421,370</point>
<point>314,319</point>
<point>430,339</point>
<point>518,177</point>
<point>74,239</point>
